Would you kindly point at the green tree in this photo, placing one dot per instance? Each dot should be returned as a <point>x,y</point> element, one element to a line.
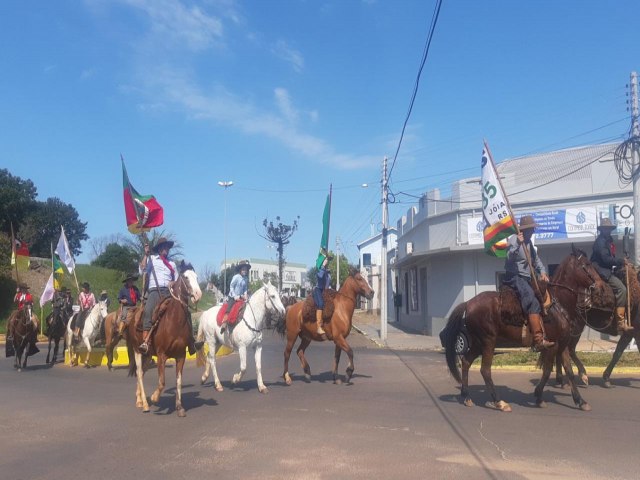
<point>279,234</point>
<point>136,243</point>
<point>41,227</point>
<point>17,200</point>
<point>218,279</point>
<point>117,257</point>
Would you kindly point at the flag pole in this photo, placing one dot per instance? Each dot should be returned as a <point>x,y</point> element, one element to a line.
<point>506,198</point>
<point>14,254</point>
<point>74,260</point>
<point>329,223</point>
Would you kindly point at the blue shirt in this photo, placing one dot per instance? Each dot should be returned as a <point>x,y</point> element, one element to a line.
<point>324,278</point>
<point>239,286</point>
<point>516,262</point>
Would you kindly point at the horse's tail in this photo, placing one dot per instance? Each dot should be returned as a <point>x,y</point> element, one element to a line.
<point>454,326</point>
<point>281,324</point>
<point>201,360</point>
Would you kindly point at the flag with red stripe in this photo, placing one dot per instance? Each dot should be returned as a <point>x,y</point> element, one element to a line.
<point>142,212</point>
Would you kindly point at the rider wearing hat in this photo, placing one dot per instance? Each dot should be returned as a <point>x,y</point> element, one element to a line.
<point>518,277</point>
<point>87,301</point>
<point>238,289</point>
<point>323,281</point>
<point>128,297</point>
<point>24,299</point>
<point>605,262</point>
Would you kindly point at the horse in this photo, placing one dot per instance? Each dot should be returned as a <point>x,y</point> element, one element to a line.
<point>25,335</point>
<point>337,329</point>
<point>590,302</point>
<point>247,332</point>
<point>112,336</point>
<point>56,323</point>
<point>89,333</point>
<point>490,316</point>
<point>169,340</point>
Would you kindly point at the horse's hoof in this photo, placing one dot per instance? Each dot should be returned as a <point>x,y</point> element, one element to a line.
<point>287,379</point>
<point>467,402</point>
<point>219,388</point>
<point>154,399</point>
<point>585,379</point>
<point>502,406</point>
<point>607,384</point>
<point>19,369</point>
<point>202,380</point>
<point>541,404</point>
<point>307,377</point>
<point>236,379</point>
<point>146,409</point>
<point>559,385</point>
<point>585,407</point>
<point>263,389</point>
<point>86,365</point>
<point>139,404</point>
<point>337,381</point>
<point>182,412</point>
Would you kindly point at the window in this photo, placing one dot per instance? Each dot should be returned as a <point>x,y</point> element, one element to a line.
<point>414,289</point>
<point>366,259</point>
<point>406,292</point>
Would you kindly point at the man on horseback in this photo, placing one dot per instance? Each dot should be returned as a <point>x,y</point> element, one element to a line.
<point>87,301</point>
<point>129,297</point>
<point>323,281</point>
<point>605,262</point>
<point>238,289</point>
<point>160,275</point>
<point>24,299</point>
<point>518,277</point>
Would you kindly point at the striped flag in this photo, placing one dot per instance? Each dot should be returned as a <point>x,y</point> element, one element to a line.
<point>142,212</point>
<point>499,220</point>
<point>58,273</point>
<point>20,256</point>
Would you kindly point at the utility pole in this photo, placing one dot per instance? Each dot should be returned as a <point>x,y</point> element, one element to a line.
<point>635,132</point>
<point>383,262</point>
<point>337,262</point>
<point>225,185</point>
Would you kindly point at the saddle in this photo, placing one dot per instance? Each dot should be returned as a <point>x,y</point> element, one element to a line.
<point>236,313</point>
<point>309,306</point>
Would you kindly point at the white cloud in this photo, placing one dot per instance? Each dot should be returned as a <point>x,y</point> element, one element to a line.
<point>283,100</point>
<point>283,51</point>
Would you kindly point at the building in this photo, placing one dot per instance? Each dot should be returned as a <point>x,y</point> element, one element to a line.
<point>294,274</point>
<point>440,259</point>
<point>370,251</point>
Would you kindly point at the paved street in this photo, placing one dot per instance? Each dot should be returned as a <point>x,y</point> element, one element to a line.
<point>399,419</point>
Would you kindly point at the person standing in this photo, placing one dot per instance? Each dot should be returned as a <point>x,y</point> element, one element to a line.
<point>605,262</point>
<point>238,289</point>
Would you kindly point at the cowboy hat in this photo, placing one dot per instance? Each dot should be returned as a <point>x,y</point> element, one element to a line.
<point>527,222</point>
<point>86,285</point>
<point>162,241</point>
<point>104,292</point>
<point>605,223</point>
<point>23,286</point>
<point>242,264</point>
<point>131,276</point>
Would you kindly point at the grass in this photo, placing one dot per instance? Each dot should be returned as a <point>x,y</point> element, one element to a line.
<point>590,359</point>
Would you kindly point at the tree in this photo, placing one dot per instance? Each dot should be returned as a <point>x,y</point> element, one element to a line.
<point>136,243</point>
<point>218,279</point>
<point>41,227</point>
<point>279,234</point>
<point>17,200</point>
<point>117,257</point>
<point>99,244</point>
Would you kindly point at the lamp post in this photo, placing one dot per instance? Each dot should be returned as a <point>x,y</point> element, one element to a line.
<point>225,185</point>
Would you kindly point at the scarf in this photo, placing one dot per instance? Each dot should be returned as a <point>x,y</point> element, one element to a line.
<point>132,295</point>
<point>168,265</point>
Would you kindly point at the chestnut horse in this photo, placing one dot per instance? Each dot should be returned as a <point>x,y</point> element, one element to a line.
<point>590,302</point>
<point>25,335</point>
<point>337,329</point>
<point>169,339</point>
<point>112,337</point>
<point>481,322</point>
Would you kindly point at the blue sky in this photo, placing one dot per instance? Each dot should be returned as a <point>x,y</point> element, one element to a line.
<point>286,97</point>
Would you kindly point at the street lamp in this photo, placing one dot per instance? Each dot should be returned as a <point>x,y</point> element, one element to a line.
<point>225,185</point>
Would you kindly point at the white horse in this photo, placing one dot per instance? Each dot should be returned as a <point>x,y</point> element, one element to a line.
<point>246,333</point>
<point>89,332</point>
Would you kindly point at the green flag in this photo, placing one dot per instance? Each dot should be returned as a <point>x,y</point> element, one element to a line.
<point>324,241</point>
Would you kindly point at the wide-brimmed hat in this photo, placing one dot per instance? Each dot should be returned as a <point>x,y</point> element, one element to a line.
<point>131,276</point>
<point>23,286</point>
<point>606,224</point>
<point>527,222</point>
<point>243,264</point>
<point>104,292</point>
<point>86,285</point>
<point>162,241</point>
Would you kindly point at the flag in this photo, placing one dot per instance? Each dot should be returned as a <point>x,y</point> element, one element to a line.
<point>499,220</point>
<point>20,256</point>
<point>64,252</point>
<point>58,273</point>
<point>142,212</point>
<point>47,294</point>
<point>324,241</point>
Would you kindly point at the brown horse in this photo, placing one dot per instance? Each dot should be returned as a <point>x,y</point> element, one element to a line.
<point>487,318</point>
<point>590,302</point>
<point>337,329</point>
<point>169,340</point>
<point>24,333</point>
<point>112,337</point>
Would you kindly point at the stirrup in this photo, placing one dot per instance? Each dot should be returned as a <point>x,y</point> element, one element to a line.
<point>144,347</point>
<point>223,327</point>
<point>544,345</point>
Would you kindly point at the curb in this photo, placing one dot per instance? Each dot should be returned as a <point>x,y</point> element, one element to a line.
<point>362,332</point>
<point>532,369</point>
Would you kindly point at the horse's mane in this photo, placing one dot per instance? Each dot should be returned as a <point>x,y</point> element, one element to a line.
<point>575,253</point>
<point>184,266</point>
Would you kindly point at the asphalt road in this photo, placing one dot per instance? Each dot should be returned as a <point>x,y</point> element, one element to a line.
<point>400,418</point>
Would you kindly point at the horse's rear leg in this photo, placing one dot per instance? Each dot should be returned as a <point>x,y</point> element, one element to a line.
<point>623,343</point>
<point>485,370</point>
<point>87,358</point>
<point>141,396</point>
<point>466,361</point>
<point>56,347</point>
<point>548,356</point>
<point>242,353</point>
<point>179,408</point>
<point>258,358</point>
<point>579,401</point>
<point>341,343</point>
<point>155,397</point>
<point>49,352</point>
<point>291,340</point>
<point>303,360</point>
<point>211,366</point>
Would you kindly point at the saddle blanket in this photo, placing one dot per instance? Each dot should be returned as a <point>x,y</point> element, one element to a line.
<point>234,314</point>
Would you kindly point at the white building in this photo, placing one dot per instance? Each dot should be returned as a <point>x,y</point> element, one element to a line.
<point>440,259</point>
<point>370,266</point>
<point>294,274</point>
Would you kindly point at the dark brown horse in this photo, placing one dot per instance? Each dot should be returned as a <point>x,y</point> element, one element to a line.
<point>56,323</point>
<point>488,318</point>
<point>169,340</point>
<point>24,333</point>
<point>337,329</point>
<point>590,302</point>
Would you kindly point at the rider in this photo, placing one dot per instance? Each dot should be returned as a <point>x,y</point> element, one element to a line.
<point>238,289</point>
<point>605,262</point>
<point>160,275</point>
<point>104,297</point>
<point>87,301</point>
<point>518,277</point>
<point>23,298</point>
<point>129,297</point>
<point>323,281</point>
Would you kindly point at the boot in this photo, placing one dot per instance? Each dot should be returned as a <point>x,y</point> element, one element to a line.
<point>144,346</point>
<point>223,327</point>
<point>622,321</point>
<point>121,328</point>
<point>319,322</point>
<point>193,345</point>
<point>535,327</point>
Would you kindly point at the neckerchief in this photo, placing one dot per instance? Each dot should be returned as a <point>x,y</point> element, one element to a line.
<point>168,265</point>
<point>132,295</point>
<point>612,249</point>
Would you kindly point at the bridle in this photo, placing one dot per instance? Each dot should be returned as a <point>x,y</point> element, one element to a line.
<point>266,308</point>
<point>180,285</point>
<point>584,301</point>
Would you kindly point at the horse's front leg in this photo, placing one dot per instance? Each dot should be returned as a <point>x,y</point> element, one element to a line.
<point>258,358</point>
<point>49,350</point>
<point>242,353</point>
<point>579,401</point>
<point>87,344</point>
<point>303,360</point>
<point>485,370</point>
<point>341,342</point>
<point>56,347</point>
<point>155,397</point>
<point>623,343</point>
<point>291,340</point>
<point>141,396</point>
<point>211,365</point>
<point>179,408</point>
<point>548,357</point>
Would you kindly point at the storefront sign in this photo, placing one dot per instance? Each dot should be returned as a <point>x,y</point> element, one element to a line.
<point>475,225</point>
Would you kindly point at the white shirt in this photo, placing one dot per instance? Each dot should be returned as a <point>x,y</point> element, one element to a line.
<point>163,273</point>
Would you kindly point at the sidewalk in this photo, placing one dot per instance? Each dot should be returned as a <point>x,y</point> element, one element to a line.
<point>403,339</point>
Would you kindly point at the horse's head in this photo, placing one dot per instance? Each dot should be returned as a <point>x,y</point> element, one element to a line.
<point>578,269</point>
<point>189,286</point>
<point>102,308</point>
<point>362,287</point>
<point>272,300</point>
